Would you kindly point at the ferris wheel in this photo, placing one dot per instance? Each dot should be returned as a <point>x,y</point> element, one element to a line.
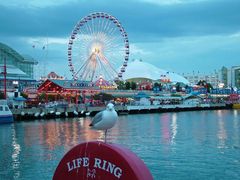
<point>97,47</point>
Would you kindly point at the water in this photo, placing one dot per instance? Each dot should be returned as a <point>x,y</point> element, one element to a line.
<point>183,145</point>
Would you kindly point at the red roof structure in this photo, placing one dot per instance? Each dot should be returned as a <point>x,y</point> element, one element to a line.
<point>67,88</point>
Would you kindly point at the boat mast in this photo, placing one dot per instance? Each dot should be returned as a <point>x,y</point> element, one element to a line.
<point>5,77</point>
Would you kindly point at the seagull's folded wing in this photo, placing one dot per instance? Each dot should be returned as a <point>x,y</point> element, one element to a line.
<point>97,118</point>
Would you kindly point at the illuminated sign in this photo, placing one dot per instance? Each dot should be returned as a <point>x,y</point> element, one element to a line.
<point>80,84</point>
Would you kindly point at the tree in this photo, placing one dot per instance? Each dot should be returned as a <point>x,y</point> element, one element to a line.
<point>209,87</point>
<point>1,95</point>
<point>202,83</point>
<point>178,87</point>
<point>120,85</point>
<point>205,84</point>
<point>24,95</point>
<point>155,84</point>
<point>51,97</point>
<point>133,85</point>
<point>127,85</point>
<point>42,97</point>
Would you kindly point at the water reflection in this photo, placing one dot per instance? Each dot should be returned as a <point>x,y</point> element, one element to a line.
<point>65,133</point>
<point>165,119</point>
<point>235,113</point>
<point>222,134</point>
<point>174,127</point>
<point>236,127</point>
<point>173,145</point>
<point>15,155</point>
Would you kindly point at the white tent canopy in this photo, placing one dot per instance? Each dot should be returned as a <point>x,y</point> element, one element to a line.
<point>139,69</point>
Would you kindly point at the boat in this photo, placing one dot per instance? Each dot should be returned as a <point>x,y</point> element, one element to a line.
<point>6,115</point>
<point>75,112</point>
<point>42,114</point>
<point>66,114</point>
<point>87,113</point>
<point>235,101</point>
<point>36,114</point>
<point>236,106</point>
<point>57,113</point>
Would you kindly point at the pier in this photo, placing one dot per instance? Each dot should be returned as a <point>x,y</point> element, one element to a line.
<point>82,111</point>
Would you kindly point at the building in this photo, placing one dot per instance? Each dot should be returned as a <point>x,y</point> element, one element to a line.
<point>235,77</point>
<point>19,69</point>
<point>52,75</point>
<point>223,78</point>
<point>69,90</point>
<point>230,77</point>
<point>213,78</point>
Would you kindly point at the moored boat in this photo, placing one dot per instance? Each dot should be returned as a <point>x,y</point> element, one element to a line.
<point>6,115</point>
<point>236,106</point>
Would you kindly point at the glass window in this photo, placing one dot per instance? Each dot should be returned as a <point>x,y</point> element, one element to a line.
<point>1,108</point>
<point>6,108</point>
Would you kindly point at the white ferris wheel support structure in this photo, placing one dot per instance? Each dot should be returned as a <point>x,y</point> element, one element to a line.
<point>97,47</point>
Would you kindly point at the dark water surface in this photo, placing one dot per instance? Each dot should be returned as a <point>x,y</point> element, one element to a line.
<point>183,145</point>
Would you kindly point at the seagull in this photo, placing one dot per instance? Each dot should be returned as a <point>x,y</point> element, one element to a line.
<point>105,120</point>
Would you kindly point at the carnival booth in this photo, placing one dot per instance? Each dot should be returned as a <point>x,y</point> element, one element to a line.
<point>69,90</point>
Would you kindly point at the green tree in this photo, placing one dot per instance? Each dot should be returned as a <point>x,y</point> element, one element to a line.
<point>1,95</point>
<point>133,85</point>
<point>24,95</point>
<point>205,84</point>
<point>120,85</point>
<point>42,97</point>
<point>209,87</point>
<point>127,85</point>
<point>202,83</point>
<point>178,87</point>
<point>155,84</point>
<point>51,97</point>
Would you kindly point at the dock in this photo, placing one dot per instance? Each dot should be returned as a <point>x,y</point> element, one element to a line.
<point>80,111</point>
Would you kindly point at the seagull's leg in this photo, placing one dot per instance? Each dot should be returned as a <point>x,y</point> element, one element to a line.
<point>106,136</point>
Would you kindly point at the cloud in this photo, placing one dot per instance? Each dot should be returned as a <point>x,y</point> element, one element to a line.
<point>46,41</point>
<point>169,33</point>
<point>137,51</point>
<point>171,2</point>
<point>204,53</point>
<point>163,2</point>
<point>146,19</point>
<point>35,3</point>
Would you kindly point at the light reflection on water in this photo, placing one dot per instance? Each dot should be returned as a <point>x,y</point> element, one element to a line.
<point>15,155</point>
<point>174,127</point>
<point>222,134</point>
<point>184,145</point>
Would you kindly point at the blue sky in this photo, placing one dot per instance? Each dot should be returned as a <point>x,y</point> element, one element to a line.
<point>176,35</point>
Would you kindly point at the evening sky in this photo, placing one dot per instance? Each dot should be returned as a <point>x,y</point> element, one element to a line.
<point>183,36</point>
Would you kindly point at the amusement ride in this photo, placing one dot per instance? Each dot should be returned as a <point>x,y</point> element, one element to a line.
<point>98,47</point>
